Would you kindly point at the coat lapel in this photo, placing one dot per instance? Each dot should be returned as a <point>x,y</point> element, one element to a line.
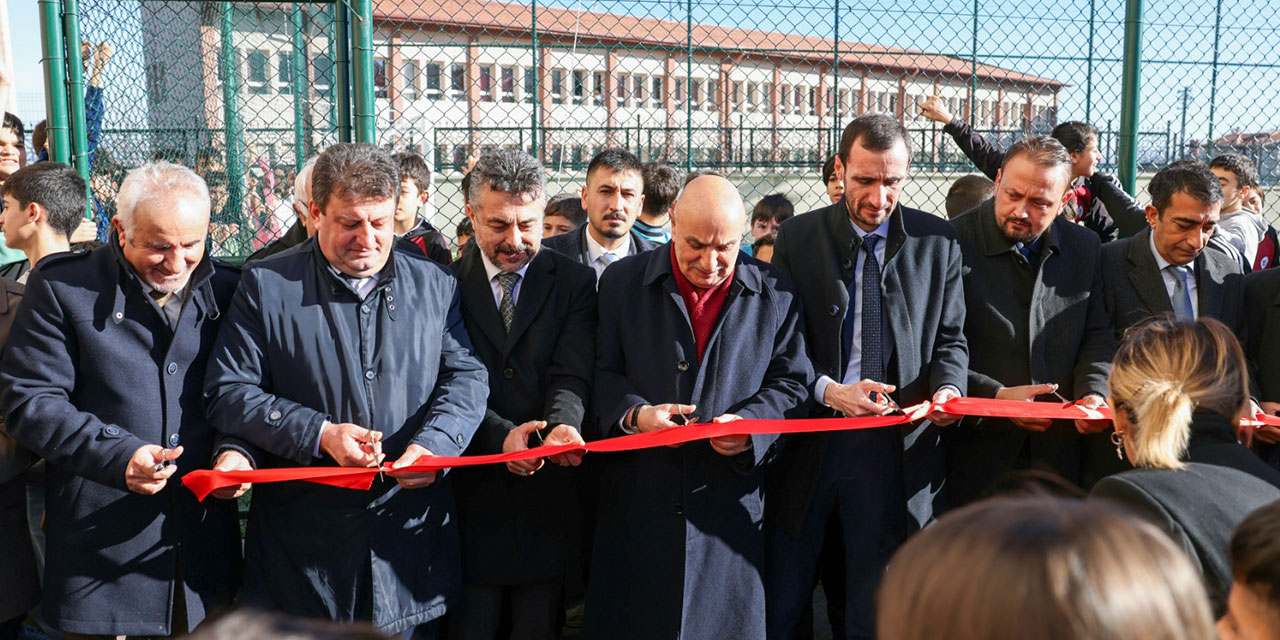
<point>476,289</point>
<point>534,291</point>
<point>1144,274</point>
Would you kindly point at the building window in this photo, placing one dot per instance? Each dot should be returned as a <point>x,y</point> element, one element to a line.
<point>508,84</point>
<point>598,88</point>
<point>379,77</point>
<point>579,88</point>
<point>410,75</point>
<point>284,73</point>
<point>557,86</point>
<point>637,89</point>
<point>258,72</point>
<point>735,95</point>
<point>432,81</point>
<point>813,100</point>
<point>695,93</point>
<point>486,83</point>
<point>677,92</point>
<point>753,97</point>
<point>530,85</point>
<point>713,95</point>
<point>766,98</point>
<point>658,95</point>
<point>458,82</point>
<point>322,75</point>
<point>620,92</point>
<point>784,99</point>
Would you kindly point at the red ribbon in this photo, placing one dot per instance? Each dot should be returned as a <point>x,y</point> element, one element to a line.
<point>203,482</point>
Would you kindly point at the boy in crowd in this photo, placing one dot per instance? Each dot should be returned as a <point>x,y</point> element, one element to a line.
<point>967,193</point>
<point>563,214</point>
<point>1241,228</point>
<point>768,214</point>
<point>415,190</point>
<point>833,180</point>
<point>661,186</point>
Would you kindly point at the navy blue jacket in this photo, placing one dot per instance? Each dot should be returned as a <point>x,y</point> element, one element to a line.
<point>679,547</point>
<point>516,529</point>
<point>297,348</point>
<point>574,243</point>
<point>92,372</point>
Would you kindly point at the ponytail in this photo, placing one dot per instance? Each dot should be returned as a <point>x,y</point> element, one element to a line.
<point>1163,409</point>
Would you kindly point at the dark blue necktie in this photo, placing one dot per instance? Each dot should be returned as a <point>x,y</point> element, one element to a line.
<point>872,331</point>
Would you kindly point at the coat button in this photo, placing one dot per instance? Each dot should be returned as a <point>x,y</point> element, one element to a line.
<point>848,264</point>
<point>508,373</point>
<point>679,509</point>
<point>459,439</point>
<point>274,415</point>
<point>173,440</point>
<point>119,315</point>
<point>369,375</point>
<point>172,368</point>
<point>833,310</point>
<point>364,308</point>
<point>112,431</point>
<point>683,365</point>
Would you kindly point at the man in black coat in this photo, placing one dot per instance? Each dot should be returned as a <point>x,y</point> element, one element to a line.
<point>531,315</point>
<point>679,547</point>
<point>1036,320</point>
<point>102,379</point>
<point>613,198</point>
<point>19,582</point>
<point>343,352</point>
<point>878,333</point>
<point>1262,319</point>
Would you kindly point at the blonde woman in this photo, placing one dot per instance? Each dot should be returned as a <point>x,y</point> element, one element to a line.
<point>1177,388</point>
<point>1043,568</point>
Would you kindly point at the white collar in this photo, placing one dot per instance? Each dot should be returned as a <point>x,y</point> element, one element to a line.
<point>595,249</point>
<point>491,270</point>
<point>882,230</point>
<point>1161,263</point>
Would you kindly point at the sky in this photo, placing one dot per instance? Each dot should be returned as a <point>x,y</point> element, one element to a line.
<point>1045,38</point>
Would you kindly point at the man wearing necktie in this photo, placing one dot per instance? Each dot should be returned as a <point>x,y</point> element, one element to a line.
<point>531,317</point>
<point>880,285</point>
<point>104,383</point>
<point>613,198</point>
<point>1169,267</point>
<point>1036,322</point>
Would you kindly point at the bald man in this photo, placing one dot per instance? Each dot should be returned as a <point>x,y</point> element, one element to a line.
<point>679,548</point>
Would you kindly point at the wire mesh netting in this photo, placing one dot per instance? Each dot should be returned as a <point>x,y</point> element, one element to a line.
<point>244,92</point>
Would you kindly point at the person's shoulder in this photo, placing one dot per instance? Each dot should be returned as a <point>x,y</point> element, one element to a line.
<point>567,267</point>
<point>808,221</point>
<point>1116,250</point>
<point>920,223</point>
<point>565,243</point>
<point>1263,281</point>
<point>1070,233</point>
<point>77,265</point>
<point>771,278</point>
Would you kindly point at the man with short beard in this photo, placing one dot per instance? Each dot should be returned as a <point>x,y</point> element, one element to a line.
<point>531,317</point>
<point>613,198</point>
<point>102,377</point>
<point>1036,319</point>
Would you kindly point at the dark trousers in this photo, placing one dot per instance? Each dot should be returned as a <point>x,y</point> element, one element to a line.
<point>533,608</point>
<point>10,629</point>
<point>860,486</point>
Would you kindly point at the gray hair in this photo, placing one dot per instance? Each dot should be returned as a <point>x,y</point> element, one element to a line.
<point>355,169</point>
<point>302,183</point>
<point>509,171</point>
<point>1041,151</point>
<point>156,179</point>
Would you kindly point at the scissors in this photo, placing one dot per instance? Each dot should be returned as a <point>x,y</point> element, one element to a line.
<point>681,419</point>
<point>370,445</point>
<point>878,397</point>
<point>1064,400</point>
<point>164,460</point>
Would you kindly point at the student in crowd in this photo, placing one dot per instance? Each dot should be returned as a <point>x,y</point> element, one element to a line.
<point>762,248</point>
<point>1080,140</point>
<point>832,179</point>
<point>43,205</point>
<point>1253,606</point>
<point>564,213</point>
<point>1178,390</point>
<point>769,214</point>
<point>1045,568</point>
<point>462,234</point>
<point>661,186</point>
<point>966,193</point>
<point>1240,226</point>
<point>415,191</point>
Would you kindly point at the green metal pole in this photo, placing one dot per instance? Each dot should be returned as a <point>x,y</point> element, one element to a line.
<point>75,82</point>
<point>973,70</point>
<point>342,70</point>
<point>231,117</point>
<point>537,83</point>
<point>55,88</point>
<point>1213,82</point>
<point>362,70</point>
<point>1129,96</point>
<point>688,86</point>
<point>300,88</point>
<point>1088,78</point>
<point>833,135</point>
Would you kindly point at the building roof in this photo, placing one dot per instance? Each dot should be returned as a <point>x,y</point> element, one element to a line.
<point>1249,139</point>
<point>591,27</point>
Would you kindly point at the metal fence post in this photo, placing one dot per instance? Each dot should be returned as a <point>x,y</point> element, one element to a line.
<point>688,88</point>
<point>342,70</point>
<point>362,70</point>
<point>1213,82</point>
<point>973,70</point>
<point>301,90</point>
<point>1130,92</point>
<point>55,88</point>
<point>536,63</point>
<point>230,113</point>
<point>75,83</point>
<point>1088,78</point>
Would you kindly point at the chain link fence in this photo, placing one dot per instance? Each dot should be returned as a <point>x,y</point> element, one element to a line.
<point>245,91</point>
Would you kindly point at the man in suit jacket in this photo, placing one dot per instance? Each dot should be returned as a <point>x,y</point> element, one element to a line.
<point>679,550</point>
<point>1168,268</point>
<point>875,330</point>
<point>531,316</point>
<point>1262,319</point>
<point>613,198</point>
<point>1036,320</point>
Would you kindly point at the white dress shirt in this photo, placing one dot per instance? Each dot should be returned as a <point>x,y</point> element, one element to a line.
<point>493,272</point>
<point>1169,277</point>
<point>595,251</point>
